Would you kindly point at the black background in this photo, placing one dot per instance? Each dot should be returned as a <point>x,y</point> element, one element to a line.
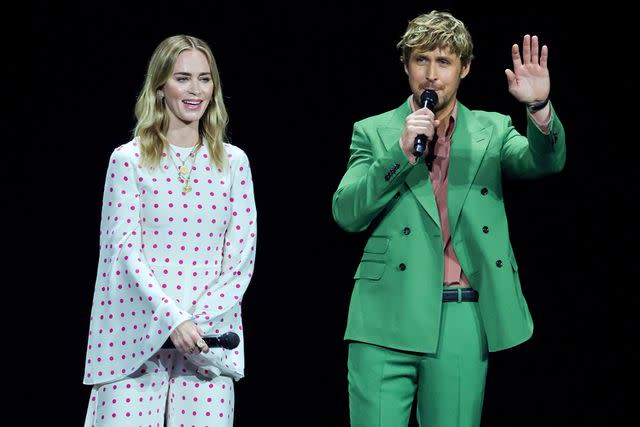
<point>295,78</point>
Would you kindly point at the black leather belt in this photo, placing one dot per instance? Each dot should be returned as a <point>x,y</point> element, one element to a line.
<point>459,295</point>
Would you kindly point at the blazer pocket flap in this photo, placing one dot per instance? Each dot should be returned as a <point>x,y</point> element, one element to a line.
<point>377,245</point>
<point>369,270</point>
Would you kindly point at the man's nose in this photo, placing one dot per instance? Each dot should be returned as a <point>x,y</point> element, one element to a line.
<point>430,72</point>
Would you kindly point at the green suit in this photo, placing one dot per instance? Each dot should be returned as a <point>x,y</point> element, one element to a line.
<point>397,297</point>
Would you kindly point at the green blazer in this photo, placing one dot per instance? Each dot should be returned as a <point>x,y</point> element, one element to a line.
<point>397,297</point>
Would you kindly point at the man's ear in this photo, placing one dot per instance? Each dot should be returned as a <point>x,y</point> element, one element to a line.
<point>465,70</point>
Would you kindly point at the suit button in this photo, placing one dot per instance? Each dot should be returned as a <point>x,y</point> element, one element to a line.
<point>396,196</point>
<point>485,229</point>
<point>484,191</point>
<point>406,231</point>
<point>402,267</point>
<point>499,263</point>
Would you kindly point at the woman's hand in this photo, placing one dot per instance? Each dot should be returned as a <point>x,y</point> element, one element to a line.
<point>187,338</point>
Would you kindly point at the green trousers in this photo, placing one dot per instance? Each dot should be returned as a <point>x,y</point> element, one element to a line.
<point>449,384</point>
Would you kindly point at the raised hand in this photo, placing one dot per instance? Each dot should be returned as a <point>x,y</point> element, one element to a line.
<point>529,81</point>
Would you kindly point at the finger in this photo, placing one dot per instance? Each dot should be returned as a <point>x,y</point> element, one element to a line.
<point>419,123</point>
<point>202,345</point>
<point>543,56</point>
<point>193,346</point>
<point>195,335</point>
<point>200,331</point>
<point>420,112</point>
<point>534,50</point>
<point>190,346</point>
<point>422,130</point>
<point>430,113</point>
<point>197,340</point>
<point>174,339</point>
<point>526,50</point>
<point>184,347</point>
<point>178,342</point>
<point>511,78</point>
<point>515,56</point>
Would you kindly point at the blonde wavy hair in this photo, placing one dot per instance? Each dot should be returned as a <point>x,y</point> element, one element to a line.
<point>153,121</point>
<point>437,30</point>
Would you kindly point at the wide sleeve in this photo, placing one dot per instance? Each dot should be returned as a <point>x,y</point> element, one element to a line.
<point>219,309</point>
<point>131,317</point>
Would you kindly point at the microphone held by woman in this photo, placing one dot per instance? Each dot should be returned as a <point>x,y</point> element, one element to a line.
<point>228,341</point>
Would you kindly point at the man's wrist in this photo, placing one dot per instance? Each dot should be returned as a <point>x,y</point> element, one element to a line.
<point>532,107</point>
<point>408,154</point>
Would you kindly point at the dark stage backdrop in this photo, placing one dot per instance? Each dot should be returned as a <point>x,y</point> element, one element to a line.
<point>295,79</point>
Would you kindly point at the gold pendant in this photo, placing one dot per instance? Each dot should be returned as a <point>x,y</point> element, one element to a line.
<point>187,188</point>
<point>183,170</point>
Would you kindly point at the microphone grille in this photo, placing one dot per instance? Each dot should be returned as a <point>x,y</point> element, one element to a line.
<point>229,340</point>
<point>429,98</point>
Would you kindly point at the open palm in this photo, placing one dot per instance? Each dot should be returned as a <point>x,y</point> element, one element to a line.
<point>529,81</point>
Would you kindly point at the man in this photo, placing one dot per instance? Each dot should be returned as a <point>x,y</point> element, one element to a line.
<point>437,287</point>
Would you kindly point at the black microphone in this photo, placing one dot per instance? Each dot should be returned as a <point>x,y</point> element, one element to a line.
<point>228,340</point>
<point>429,99</point>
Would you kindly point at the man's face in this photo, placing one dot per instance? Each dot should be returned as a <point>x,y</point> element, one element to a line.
<point>437,69</point>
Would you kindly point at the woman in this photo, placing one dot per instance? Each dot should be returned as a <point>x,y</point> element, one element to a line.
<point>177,247</point>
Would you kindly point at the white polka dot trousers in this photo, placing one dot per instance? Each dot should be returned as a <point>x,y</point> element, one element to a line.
<point>166,386</point>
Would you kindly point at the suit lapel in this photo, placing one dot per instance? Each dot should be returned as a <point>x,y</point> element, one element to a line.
<point>419,182</point>
<point>469,142</point>
<point>418,179</point>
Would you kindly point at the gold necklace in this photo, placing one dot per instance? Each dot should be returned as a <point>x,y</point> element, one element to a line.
<point>184,172</point>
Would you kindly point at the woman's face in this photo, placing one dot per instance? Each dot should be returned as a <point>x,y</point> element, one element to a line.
<point>188,91</point>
